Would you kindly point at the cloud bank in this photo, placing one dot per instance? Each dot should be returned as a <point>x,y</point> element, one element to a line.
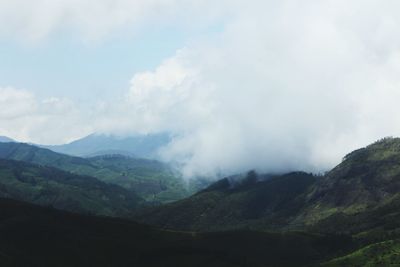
<point>285,86</point>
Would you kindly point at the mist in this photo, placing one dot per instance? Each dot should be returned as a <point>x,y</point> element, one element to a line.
<point>289,87</point>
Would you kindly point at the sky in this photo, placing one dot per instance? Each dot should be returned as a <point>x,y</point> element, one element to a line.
<point>271,85</point>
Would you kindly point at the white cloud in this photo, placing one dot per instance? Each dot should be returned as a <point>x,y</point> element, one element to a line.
<point>286,86</point>
<point>48,121</point>
<point>94,19</point>
<point>15,103</point>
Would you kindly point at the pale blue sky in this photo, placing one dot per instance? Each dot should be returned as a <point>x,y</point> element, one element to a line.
<point>66,66</point>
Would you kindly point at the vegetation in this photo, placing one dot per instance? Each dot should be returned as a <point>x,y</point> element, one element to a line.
<point>252,203</point>
<point>152,180</point>
<point>381,254</point>
<point>360,198</point>
<point>52,187</point>
<point>348,217</point>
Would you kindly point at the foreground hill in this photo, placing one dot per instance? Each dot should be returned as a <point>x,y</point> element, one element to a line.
<point>52,187</point>
<point>36,236</point>
<point>367,179</point>
<point>152,180</point>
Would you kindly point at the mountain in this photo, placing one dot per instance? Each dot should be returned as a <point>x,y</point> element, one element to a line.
<point>367,179</point>
<point>152,180</point>
<point>141,146</point>
<point>39,236</point>
<point>5,139</point>
<point>360,197</point>
<point>52,187</point>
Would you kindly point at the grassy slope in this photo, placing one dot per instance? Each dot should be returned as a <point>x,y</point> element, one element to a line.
<point>385,253</point>
<point>152,180</point>
<point>35,236</point>
<point>63,190</point>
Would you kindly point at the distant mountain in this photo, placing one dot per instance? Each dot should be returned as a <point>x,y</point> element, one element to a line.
<point>52,187</point>
<point>37,236</point>
<point>152,180</point>
<point>5,139</point>
<point>111,152</point>
<point>141,146</point>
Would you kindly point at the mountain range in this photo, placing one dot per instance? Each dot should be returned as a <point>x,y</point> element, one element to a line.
<point>150,179</point>
<point>350,216</point>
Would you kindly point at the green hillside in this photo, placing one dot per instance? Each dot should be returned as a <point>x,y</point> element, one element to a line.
<point>366,179</point>
<point>150,179</point>
<point>62,190</point>
<point>348,217</point>
<point>385,253</point>
<point>259,204</point>
<point>360,197</point>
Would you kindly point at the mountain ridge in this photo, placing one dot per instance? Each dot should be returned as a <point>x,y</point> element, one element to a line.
<point>155,181</point>
<point>367,179</point>
<point>141,146</point>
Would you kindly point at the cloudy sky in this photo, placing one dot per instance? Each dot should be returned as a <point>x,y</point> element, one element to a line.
<point>273,85</point>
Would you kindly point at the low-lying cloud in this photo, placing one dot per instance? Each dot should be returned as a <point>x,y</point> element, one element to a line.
<point>285,86</point>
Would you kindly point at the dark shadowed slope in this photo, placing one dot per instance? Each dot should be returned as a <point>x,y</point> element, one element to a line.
<point>35,236</point>
<point>152,180</point>
<point>52,187</point>
<point>268,204</point>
